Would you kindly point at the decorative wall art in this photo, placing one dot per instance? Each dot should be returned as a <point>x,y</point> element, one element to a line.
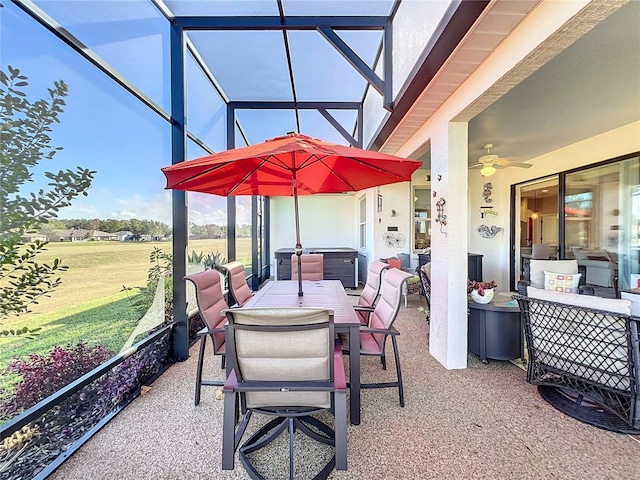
<point>486,231</point>
<point>441,218</point>
<point>486,192</point>
<point>393,239</point>
<point>489,211</point>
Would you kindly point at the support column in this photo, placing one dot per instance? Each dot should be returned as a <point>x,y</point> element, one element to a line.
<point>449,243</point>
<point>179,202</point>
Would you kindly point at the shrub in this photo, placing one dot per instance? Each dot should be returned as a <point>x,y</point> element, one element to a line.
<point>28,451</point>
<point>43,375</point>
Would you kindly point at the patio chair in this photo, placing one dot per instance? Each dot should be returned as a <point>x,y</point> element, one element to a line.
<point>211,304</point>
<point>288,365</point>
<point>371,290</point>
<point>237,283</point>
<point>373,337</point>
<point>584,356</point>
<point>412,286</point>
<point>424,272</point>
<point>312,266</point>
<point>540,251</point>
<point>537,269</point>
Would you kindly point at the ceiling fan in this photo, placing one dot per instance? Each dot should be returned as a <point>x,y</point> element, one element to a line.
<point>490,162</point>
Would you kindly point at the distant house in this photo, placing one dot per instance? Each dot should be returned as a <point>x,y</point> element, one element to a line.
<point>98,235</point>
<point>32,237</point>
<point>124,235</point>
<point>81,235</point>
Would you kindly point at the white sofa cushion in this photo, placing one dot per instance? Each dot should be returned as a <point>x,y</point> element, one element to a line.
<point>538,267</point>
<point>614,305</point>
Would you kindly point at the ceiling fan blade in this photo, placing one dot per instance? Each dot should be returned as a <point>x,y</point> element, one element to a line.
<point>512,162</point>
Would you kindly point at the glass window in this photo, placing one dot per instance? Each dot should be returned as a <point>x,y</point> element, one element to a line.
<point>114,235</point>
<point>243,230</point>
<point>602,215</point>
<point>117,32</point>
<point>536,220</point>
<point>421,218</point>
<point>206,111</point>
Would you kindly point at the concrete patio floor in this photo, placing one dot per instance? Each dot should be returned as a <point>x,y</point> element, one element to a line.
<point>484,422</point>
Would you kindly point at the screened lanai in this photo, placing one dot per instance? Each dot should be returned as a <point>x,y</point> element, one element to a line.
<point>151,83</point>
<point>216,75</point>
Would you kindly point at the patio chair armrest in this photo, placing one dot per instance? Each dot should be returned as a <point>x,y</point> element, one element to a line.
<point>231,383</point>
<point>522,287</point>
<point>208,331</point>
<point>384,331</point>
<point>363,308</point>
<point>586,290</point>
<point>339,376</point>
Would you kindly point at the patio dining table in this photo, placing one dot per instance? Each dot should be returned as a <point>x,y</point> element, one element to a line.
<point>325,294</point>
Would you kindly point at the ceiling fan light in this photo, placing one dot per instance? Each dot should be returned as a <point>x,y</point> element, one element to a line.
<point>487,170</point>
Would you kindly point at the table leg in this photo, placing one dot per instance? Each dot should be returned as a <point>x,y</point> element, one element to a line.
<point>354,375</point>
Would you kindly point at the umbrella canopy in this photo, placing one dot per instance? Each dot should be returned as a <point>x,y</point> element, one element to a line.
<point>268,169</point>
<point>291,165</point>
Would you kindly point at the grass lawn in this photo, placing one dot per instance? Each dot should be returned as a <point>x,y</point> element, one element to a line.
<point>90,305</point>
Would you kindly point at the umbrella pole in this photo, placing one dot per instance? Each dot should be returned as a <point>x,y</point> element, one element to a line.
<point>298,249</point>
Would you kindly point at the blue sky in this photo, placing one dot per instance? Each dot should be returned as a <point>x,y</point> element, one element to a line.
<point>104,128</point>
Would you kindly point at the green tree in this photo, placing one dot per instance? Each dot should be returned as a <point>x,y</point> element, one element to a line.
<point>49,229</point>
<point>24,141</point>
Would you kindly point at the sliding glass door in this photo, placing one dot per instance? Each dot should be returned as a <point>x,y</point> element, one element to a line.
<point>602,222</point>
<point>598,222</point>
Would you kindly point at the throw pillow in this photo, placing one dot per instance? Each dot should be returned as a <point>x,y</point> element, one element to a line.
<point>562,282</point>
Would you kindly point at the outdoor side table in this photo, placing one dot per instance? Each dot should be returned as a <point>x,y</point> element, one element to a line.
<point>495,329</point>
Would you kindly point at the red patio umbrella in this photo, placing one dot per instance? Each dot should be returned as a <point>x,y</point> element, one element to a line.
<point>291,165</point>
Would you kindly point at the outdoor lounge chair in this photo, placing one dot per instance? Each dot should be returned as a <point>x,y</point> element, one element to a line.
<point>312,266</point>
<point>237,283</point>
<point>371,290</point>
<point>584,355</point>
<point>373,337</point>
<point>287,364</point>
<point>211,304</point>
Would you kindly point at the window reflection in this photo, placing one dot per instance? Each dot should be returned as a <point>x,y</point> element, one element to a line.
<point>602,215</point>
<point>421,218</point>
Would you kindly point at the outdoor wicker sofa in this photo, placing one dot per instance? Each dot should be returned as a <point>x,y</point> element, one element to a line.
<point>584,356</point>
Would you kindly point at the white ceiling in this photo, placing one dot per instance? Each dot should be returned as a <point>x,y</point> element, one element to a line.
<point>590,87</point>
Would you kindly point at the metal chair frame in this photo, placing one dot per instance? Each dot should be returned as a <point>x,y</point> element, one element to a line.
<point>290,418</point>
<point>385,312</point>
<point>211,304</point>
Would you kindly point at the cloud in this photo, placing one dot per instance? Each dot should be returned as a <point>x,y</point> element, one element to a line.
<point>203,209</point>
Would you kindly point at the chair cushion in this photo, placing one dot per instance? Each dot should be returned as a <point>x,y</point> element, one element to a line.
<point>369,345</point>
<point>395,263</point>
<point>607,304</point>
<point>562,282</point>
<point>413,280</point>
<point>538,268</point>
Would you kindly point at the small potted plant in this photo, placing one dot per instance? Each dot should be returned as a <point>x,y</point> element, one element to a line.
<point>482,292</point>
